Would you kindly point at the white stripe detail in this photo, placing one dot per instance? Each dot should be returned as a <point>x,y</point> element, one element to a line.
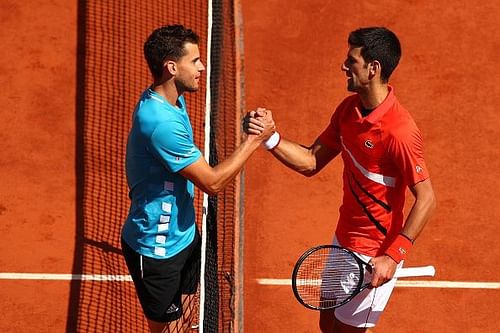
<point>166,207</point>
<point>406,284</point>
<point>377,178</point>
<point>140,264</point>
<point>64,277</point>
<point>160,251</point>
<point>161,239</point>
<point>156,98</point>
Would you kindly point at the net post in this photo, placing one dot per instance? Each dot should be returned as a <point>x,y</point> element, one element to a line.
<point>238,320</point>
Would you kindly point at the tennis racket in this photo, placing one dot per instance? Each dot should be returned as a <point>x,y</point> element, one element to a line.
<point>328,276</point>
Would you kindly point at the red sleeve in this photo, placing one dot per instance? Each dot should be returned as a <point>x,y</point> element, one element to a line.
<point>405,146</point>
<point>331,135</point>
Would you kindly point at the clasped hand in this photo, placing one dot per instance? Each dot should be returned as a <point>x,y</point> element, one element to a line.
<point>259,123</point>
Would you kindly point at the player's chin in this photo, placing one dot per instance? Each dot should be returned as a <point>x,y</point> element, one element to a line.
<point>192,88</point>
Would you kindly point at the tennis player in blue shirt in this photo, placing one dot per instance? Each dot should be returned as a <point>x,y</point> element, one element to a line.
<point>160,240</point>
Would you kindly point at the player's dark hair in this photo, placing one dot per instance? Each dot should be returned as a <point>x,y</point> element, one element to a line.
<point>378,43</point>
<point>167,43</point>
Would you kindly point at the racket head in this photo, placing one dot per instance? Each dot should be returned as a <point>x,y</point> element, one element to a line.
<point>326,277</point>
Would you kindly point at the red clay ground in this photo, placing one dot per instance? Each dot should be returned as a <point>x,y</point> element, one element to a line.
<point>293,52</point>
<point>38,185</point>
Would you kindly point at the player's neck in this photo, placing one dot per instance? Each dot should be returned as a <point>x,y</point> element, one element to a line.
<point>168,90</point>
<point>374,96</point>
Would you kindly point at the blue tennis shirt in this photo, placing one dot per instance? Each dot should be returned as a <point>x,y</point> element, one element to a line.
<point>161,219</point>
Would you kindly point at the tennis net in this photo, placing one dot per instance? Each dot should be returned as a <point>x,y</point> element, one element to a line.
<point>111,75</point>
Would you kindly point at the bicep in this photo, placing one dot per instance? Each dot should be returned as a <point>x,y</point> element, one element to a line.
<point>423,208</point>
<point>425,201</point>
<point>423,190</point>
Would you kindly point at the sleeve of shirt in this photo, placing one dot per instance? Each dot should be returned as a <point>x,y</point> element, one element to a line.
<point>173,145</point>
<point>406,149</point>
<point>330,137</point>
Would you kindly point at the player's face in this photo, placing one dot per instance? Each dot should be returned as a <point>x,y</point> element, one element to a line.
<point>356,70</point>
<point>189,69</point>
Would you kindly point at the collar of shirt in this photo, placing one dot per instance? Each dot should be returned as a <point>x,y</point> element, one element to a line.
<point>381,110</point>
<point>154,95</point>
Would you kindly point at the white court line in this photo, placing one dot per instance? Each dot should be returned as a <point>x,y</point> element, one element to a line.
<point>64,277</point>
<point>266,282</point>
<point>406,284</point>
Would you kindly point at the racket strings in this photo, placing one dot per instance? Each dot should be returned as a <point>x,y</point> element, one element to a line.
<point>327,277</point>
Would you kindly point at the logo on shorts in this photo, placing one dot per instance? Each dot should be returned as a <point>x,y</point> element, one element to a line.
<point>369,144</point>
<point>402,251</point>
<point>173,308</point>
<point>419,169</point>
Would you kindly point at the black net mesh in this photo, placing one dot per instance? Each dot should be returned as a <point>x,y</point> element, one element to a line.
<point>111,76</point>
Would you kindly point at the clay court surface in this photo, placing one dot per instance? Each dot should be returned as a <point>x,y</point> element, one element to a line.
<point>448,80</point>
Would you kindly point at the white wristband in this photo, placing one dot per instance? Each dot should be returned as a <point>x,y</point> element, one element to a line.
<point>273,141</point>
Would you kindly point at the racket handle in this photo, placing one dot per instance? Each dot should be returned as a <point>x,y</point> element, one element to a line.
<point>415,271</point>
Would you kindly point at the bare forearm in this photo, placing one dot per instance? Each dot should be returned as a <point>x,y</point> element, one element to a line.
<point>296,157</point>
<point>305,160</point>
<point>417,218</point>
<point>226,171</point>
<point>425,203</point>
<point>212,180</point>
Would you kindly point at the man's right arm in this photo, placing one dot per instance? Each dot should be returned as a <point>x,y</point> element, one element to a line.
<point>212,180</point>
<point>307,161</point>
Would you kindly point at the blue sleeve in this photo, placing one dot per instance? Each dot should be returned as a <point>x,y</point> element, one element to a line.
<point>173,145</point>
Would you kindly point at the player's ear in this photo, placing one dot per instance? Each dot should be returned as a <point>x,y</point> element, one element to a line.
<point>374,68</point>
<point>171,67</point>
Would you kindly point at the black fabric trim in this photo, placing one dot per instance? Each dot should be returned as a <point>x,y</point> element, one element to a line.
<point>408,238</point>
<point>379,226</point>
<point>371,196</point>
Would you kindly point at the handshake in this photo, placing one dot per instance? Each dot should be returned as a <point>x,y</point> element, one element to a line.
<point>259,124</point>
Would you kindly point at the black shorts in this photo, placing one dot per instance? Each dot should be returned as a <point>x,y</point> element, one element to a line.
<point>159,283</point>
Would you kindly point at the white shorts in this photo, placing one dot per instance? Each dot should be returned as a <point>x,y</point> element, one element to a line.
<point>364,309</point>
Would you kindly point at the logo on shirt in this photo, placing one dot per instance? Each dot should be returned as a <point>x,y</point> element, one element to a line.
<point>419,169</point>
<point>369,144</point>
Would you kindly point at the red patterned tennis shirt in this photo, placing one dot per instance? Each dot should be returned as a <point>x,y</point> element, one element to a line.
<point>383,155</point>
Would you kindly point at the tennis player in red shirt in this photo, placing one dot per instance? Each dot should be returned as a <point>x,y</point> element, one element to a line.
<point>382,151</point>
